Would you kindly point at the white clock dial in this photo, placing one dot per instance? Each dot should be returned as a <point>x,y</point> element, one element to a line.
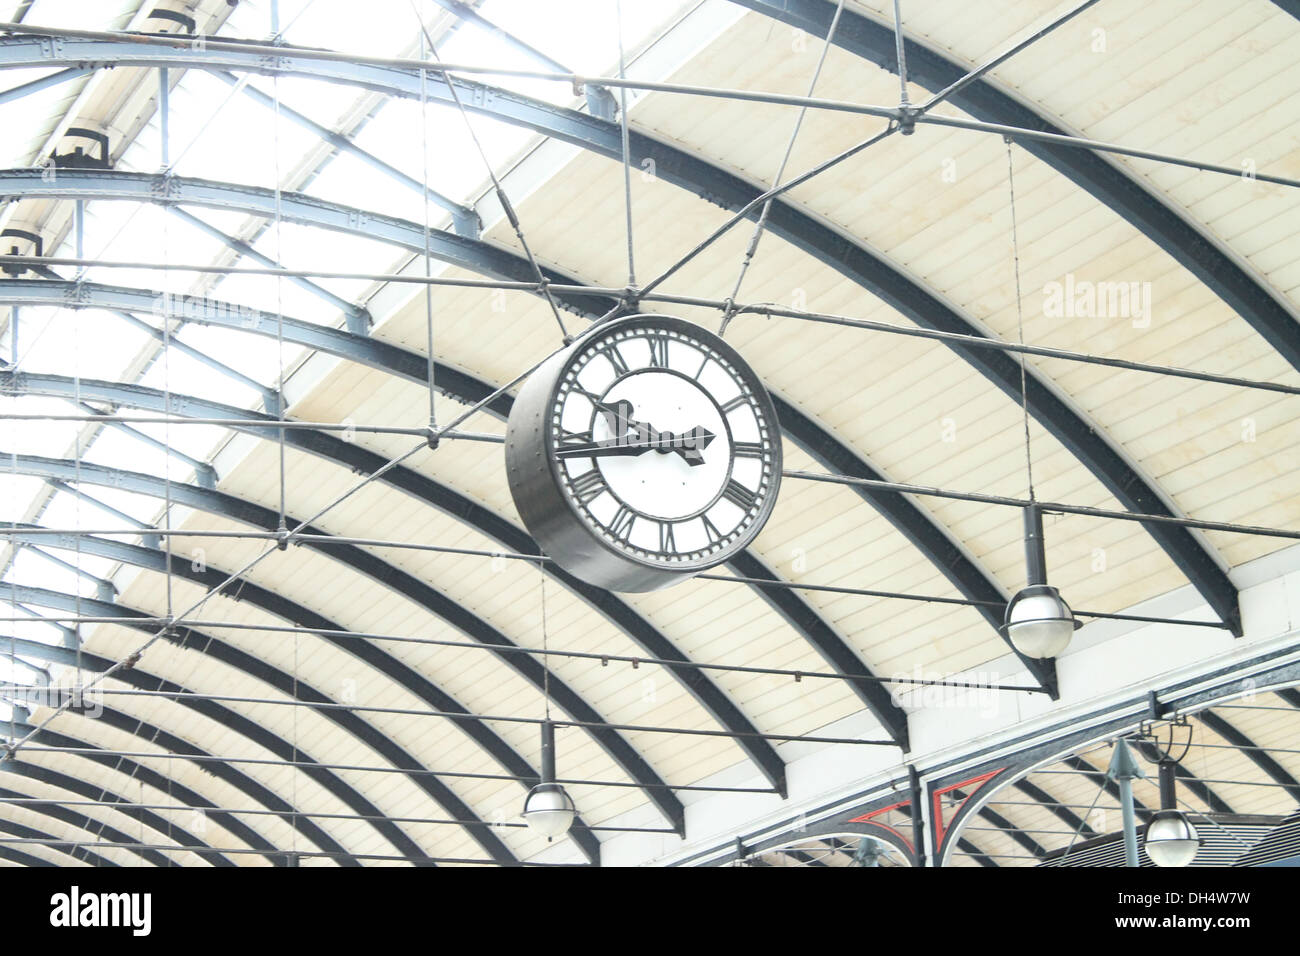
<point>663,443</point>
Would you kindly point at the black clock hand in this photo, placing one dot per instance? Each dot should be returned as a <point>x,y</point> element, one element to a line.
<point>688,444</point>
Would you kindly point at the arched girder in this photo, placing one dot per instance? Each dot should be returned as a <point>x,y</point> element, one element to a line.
<point>214,710</point>
<point>154,559</point>
<point>22,857</point>
<point>902,513</point>
<point>1255,754</point>
<point>797,612</point>
<point>831,246</point>
<point>73,818</point>
<point>297,689</point>
<point>611,606</point>
<point>55,844</point>
<point>1110,184</point>
<point>368,565</point>
<point>98,792</point>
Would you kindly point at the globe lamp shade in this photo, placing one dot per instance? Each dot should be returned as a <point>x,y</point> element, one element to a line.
<point>1038,622</point>
<point>1171,839</point>
<point>549,810</point>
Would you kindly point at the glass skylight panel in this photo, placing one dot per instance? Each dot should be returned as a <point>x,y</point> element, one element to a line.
<point>37,436</point>
<point>383,28</point>
<point>118,449</point>
<point>253,355</point>
<point>352,181</point>
<point>143,508</point>
<point>455,168</point>
<point>91,343</point>
<point>475,46</point>
<point>307,247</point>
<point>581,34</point>
<point>32,568</point>
<point>26,118</point>
<point>16,491</point>
<point>259,294</point>
<point>82,14</point>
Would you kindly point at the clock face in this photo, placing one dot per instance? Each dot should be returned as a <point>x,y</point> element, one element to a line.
<point>663,447</point>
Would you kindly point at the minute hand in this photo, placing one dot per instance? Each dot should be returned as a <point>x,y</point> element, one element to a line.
<point>688,445</point>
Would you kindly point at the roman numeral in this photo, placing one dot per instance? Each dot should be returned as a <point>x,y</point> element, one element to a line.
<point>658,350</point>
<point>588,485</point>
<point>747,449</point>
<point>615,359</point>
<point>734,404</point>
<point>667,543</point>
<point>739,495</point>
<point>621,526</point>
<point>575,438</point>
<point>588,395</point>
<point>700,371</point>
<point>711,530</point>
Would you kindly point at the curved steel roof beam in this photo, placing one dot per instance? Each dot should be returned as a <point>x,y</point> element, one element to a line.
<point>44,597</point>
<point>479,256</point>
<point>70,848</point>
<point>797,612</point>
<point>101,830</point>
<point>1257,755</point>
<point>155,559</point>
<point>159,781</point>
<point>831,246</point>
<point>463,387</point>
<point>1155,217</point>
<point>384,574</point>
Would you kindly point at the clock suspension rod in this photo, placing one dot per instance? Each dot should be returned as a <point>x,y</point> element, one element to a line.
<point>506,208</point>
<point>752,249</point>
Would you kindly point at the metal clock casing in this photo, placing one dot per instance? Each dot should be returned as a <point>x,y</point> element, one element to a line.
<point>645,452</point>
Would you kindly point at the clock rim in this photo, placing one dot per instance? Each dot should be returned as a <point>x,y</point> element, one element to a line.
<point>636,573</point>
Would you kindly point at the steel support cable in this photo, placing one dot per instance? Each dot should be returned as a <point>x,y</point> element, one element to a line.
<point>135,655</point>
<point>365,733</point>
<point>625,137</point>
<point>145,775</point>
<point>752,249</point>
<point>425,490</point>
<point>924,490</point>
<point>1206,576</point>
<point>428,258</point>
<point>58,809</point>
<point>501,196</point>
<point>425,596</point>
<point>992,64</point>
<point>1020,312</point>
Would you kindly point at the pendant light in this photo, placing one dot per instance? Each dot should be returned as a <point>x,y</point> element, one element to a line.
<point>548,808</point>
<point>1170,838</point>
<point>1038,622</point>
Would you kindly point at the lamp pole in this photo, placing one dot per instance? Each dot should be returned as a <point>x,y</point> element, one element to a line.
<point>1035,549</point>
<point>1124,770</point>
